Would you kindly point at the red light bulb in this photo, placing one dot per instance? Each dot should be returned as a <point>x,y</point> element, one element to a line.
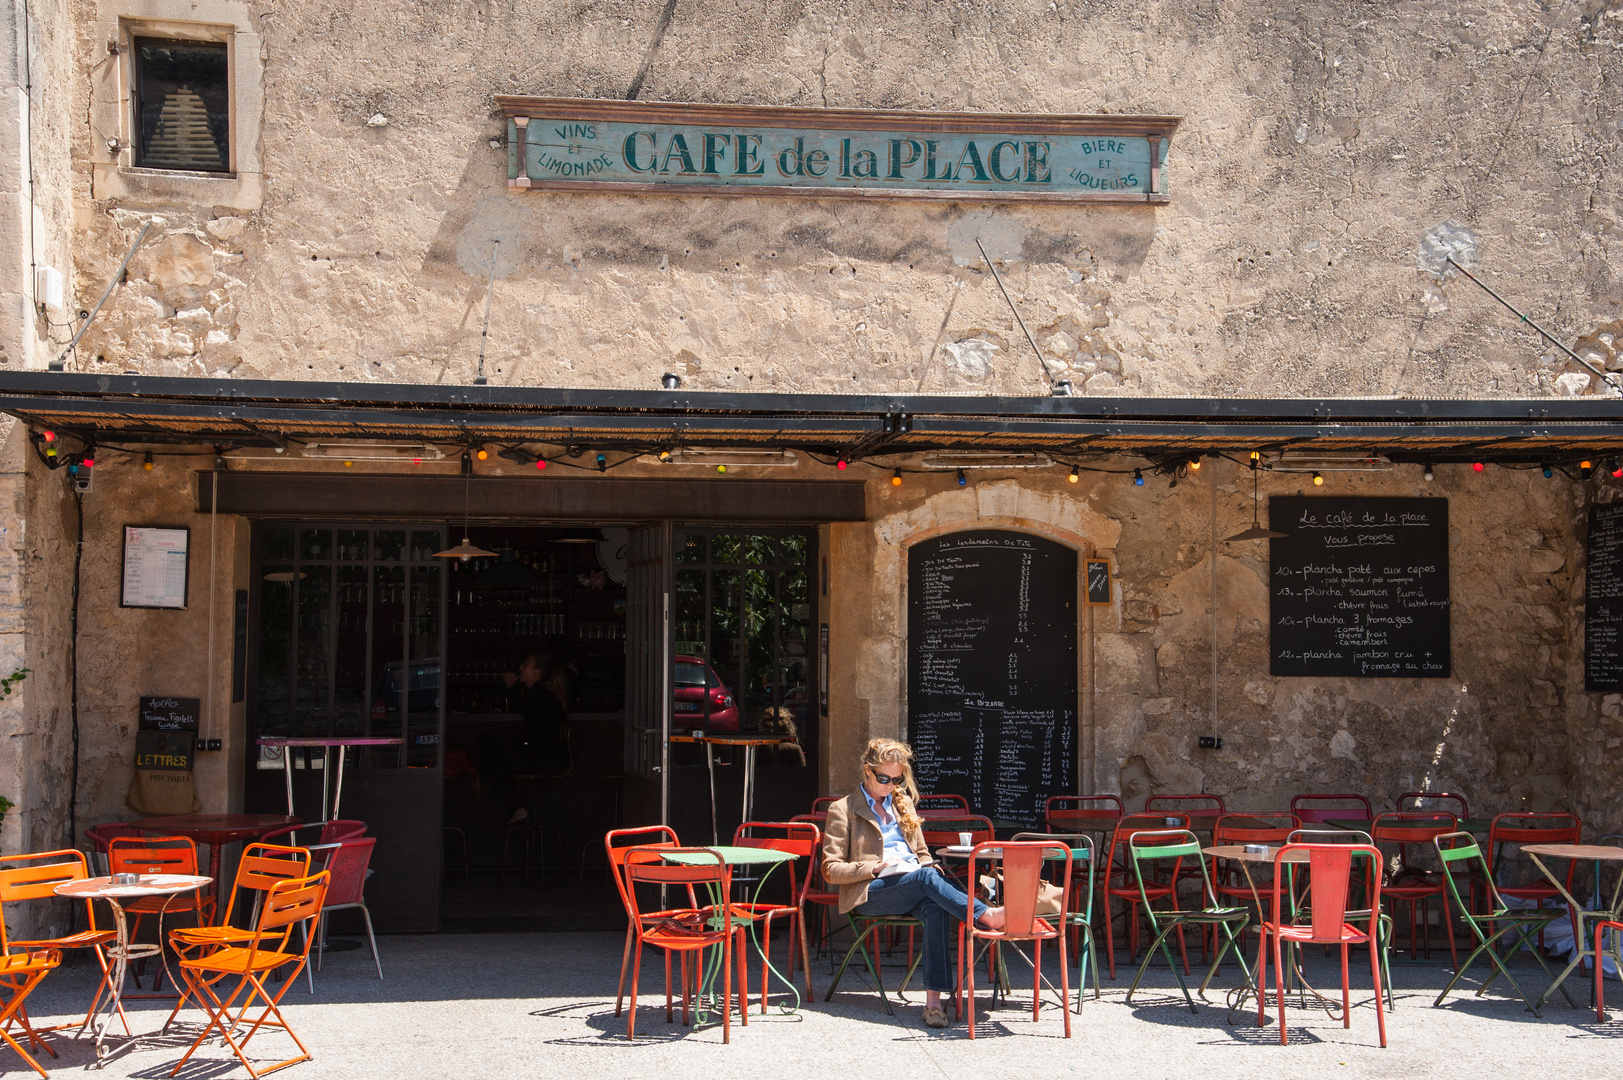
<point>840,464</point>
<point>50,436</point>
<point>1477,466</point>
<point>540,463</point>
<point>89,464</point>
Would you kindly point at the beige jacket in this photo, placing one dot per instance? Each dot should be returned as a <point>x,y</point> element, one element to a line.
<point>853,846</point>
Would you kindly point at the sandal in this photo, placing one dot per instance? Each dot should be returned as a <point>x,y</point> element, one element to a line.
<point>935,1018</point>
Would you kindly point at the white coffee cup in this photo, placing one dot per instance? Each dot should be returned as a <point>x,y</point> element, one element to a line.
<point>966,839</point>
<point>1172,823</point>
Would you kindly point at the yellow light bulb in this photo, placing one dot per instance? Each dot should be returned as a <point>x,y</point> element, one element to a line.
<point>721,468</point>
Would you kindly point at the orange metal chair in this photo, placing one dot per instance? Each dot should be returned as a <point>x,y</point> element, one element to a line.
<point>288,904</point>
<point>941,806</point>
<point>100,835</point>
<point>1412,885</point>
<point>1330,869</point>
<point>1022,864</point>
<point>20,973</point>
<point>617,844</point>
<point>35,877</point>
<point>802,840</point>
<point>158,855</point>
<point>1317,809</point>
<point>1082,813</point>
<point>706,927</point>
<point>261,868</point>
<point>1118,881</point>
<point>1427,801</point>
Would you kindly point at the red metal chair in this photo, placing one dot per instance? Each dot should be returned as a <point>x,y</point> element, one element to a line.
<point>941,806</point>
<point>1529,828</point>
<point>1600,966</point>
<point>1330,869</point>
<point>942,831</point>
<point>692,932</point>
<point>1022,864</point>
<point>826,900</point>
<point>1082,813</point>
<point>335,831</point>
<point>1118,881</point>
<point>1317,809</point>
<point>348,862</point>
<point>1186,804</point>
<point>802,840</point>
<point>20,973</point>
<point>821,804</point>
<point>1426,801</point>
<point>1409,884</point>
<point>617,844</point>
<point>99,835</point>
<point>35,877</point>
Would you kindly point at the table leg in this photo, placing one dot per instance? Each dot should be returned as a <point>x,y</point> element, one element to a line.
<point>287,775</point>
<point>710,763</point>
<point>749,783</point>
<point>1582,941</point>
<point>338,786</point>
<point>326,774</point>
<point>121,962</point>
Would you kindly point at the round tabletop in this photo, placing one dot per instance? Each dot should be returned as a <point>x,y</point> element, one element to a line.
<point>1239,853</point>
<point>215,829</point>
<point>1598,852</point>
<point>102,888</point>
<point>732,856</point>
<point>955,851</point>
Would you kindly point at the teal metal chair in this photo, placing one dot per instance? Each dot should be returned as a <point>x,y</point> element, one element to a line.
<point>1459,849</point>
<point>1181,848</point>
<point>864,927</point>
<point>1079,920</point>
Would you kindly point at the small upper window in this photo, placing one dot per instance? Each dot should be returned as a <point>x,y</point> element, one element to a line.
<point>182,105</point>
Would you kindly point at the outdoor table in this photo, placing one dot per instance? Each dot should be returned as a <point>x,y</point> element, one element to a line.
<point>749,743</point>
<point>1239,854</point>
<point>1583,943</point>
<point>216,831</point>
<point>123,951</point>
<point>326,762</point>
<point>742,856</point>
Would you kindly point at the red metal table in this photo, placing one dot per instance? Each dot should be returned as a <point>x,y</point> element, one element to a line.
<point>217,830</point>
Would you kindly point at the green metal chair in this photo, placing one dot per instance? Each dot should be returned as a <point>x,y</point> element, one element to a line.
<point>864,927</point>
<point>1461,849</point>
<point>1180,846</point>
<point>1080,918</point>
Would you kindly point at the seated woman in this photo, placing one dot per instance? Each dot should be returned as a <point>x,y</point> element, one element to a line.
<point>874,850</point>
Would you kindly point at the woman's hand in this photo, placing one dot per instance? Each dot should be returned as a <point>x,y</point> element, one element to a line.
<point>879,867</point>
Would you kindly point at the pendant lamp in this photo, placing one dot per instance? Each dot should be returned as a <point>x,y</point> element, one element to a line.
<point>1256,531</point>
<point>467,549</point>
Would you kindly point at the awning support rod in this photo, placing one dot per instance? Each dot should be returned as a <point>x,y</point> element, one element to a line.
<point>1042,367</point>
<point>1604,376</point>
<point>118,276</point>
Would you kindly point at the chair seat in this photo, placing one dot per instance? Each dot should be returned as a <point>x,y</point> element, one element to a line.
<point>20,963</point>
<point>167,905</point>
<point>754,910</point>
<point>209,935</point>
<point>680,941</point>
<point>1350,935</point>
<point>84,939</point>
<point>1206,915</point>
<point>1041,929</point>
<point>1530,892</point>
<point>1411,892</point>
<point>236,961</point>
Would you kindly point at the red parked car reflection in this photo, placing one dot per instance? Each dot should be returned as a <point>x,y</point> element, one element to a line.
<point>702,699</point>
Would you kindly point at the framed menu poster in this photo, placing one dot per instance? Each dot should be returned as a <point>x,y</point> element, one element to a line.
<point>155,563</point>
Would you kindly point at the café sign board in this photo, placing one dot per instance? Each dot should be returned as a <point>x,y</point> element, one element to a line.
<point>674,148</point>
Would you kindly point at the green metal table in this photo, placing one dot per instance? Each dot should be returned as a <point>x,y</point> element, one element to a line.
<point>768,858</point>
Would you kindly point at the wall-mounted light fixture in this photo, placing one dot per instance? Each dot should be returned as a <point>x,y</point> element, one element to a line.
<point>374,451</point>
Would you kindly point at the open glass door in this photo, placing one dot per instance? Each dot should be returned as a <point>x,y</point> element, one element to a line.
<point>648,674</point>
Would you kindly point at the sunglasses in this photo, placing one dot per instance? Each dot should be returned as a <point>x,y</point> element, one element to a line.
<point>881,778</point>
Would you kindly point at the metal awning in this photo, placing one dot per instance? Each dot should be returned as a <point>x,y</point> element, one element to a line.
<point>134,409</point>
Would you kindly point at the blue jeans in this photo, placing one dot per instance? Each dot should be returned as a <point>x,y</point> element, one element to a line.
<point>928,896</point>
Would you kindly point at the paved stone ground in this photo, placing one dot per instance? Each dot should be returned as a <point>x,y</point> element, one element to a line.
<point>504,1005</point>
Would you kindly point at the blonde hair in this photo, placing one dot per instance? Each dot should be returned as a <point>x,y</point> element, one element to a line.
<point>891,752</point>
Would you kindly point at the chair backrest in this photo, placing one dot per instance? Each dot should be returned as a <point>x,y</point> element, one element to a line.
<point>98,835</point>
<point>1330,836</point>
<point>943,831</point>
<point>1435,800</point>
<point>802,839</point>
<point>1412,827</point>
<point>941,805</point>
<point>1315,809</point>
<point>1174,845</point>
<point>1132,824</point>
<point>618,843</point>
<point>1022,866</point>
<point>151,855</point>
<point>1070,811</point>
<point>1329,881</point>
<point>649,865</point>
<point>347,865</point>
<point>1187,804</point>
<point>37,879</point>
<point>821,804</point>
<point>264,866</point>
<point>1083,851</point>
<point>289,903</point>
<point>1457,848</point>
<point>1531,828</point>
<point>340,829</point>
<point>1255,828</point>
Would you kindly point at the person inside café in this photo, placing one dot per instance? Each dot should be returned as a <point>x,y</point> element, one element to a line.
<point>874,850</point>
<point>543,748</point>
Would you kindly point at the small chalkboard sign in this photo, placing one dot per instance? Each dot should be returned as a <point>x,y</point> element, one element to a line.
<point>1099,582</point>
<point>169,750</point>
<point>170,714</point>
<point>1603,601</point>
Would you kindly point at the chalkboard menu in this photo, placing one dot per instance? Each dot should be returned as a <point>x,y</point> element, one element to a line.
<point>1359,587</point>
<point>1603,601</point>
<point>169,714</point>
<point>992,670</point>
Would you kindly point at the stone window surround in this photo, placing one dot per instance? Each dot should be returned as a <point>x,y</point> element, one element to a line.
<point>112,103</point>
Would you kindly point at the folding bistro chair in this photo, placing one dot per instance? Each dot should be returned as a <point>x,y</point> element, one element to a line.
<point>1082,813</point>
<point>1179,846</point>
<point>289,904</point>
<point>1601,928</point>
<point>1021,864</point>
<point>100,835</point>
<point>1079,915</point>
<point>1243,828</point>
<point>1330,869</point>
<point>35,877</point>
<point>1460,849</point>
<point>1359,894</point>
<point>802,840</point>
<point>824,900</point>
<point>692,932</point>
<point>20,973</point>
<point>617,844</point>
<point>1512,830</point>
<point>1119,882</point>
